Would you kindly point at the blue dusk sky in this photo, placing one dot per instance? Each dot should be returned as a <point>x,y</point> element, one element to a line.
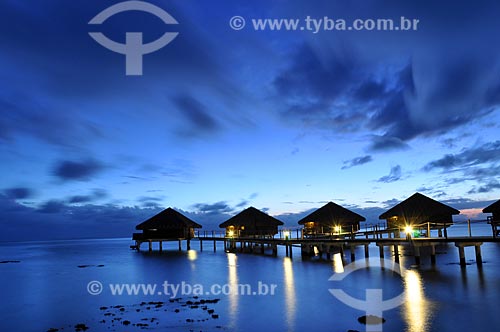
<point>224,119</point>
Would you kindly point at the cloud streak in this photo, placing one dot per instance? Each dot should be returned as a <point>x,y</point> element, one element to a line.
<point>394,175</point>
<point>358,161</point>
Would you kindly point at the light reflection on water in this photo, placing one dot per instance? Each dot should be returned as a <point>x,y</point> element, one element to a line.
<point>290,298</point>
<point>192,255</point>
<point>338,265</point>
<point>417,308</point>
<point>233,282</point>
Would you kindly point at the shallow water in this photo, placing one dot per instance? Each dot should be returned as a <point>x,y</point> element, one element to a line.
<point>47,289</point>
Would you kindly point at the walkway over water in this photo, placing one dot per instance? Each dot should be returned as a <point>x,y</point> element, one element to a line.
<point>337,243</point>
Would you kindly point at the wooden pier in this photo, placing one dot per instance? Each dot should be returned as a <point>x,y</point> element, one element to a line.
<point>328,246</point>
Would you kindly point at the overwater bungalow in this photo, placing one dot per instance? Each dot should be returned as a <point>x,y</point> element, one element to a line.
<point>494,209</point>
<point>494,219</point>
<point>419,211</point>
<point>331,219</point>
<point>166,225</point>
<point>251,222</point>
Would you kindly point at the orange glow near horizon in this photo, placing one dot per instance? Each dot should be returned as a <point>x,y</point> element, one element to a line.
<point>471,213</point>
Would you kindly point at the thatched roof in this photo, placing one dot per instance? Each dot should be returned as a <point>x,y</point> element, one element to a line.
<point>331,214</point>
<point>168,219</point>
<point>419,206</point>
<point>492,208</point>
<point>251,218</point>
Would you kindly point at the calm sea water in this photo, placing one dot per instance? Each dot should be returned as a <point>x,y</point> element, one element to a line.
<point>48,289</point>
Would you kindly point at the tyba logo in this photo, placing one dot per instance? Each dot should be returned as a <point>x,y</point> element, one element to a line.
<point>133,49</point>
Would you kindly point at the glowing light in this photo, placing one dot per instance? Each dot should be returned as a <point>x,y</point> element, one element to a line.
<point>286,234</point>
<point>338,229</point>
<point>408,229</point>
<point>230,233</point>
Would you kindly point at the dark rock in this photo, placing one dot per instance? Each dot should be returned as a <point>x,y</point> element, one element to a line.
<point>215,316</point>
<point>126,322</point>
<point>52,329</point>
<point>212,301</point>
<point>103,308</point>
<point>176,310</point>
<point>6,262</point>
<point>81,327</point>
<point>210,311</point>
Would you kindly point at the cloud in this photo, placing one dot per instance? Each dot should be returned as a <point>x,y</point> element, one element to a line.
<point>29,117</point>
<point>215,208</point>
<point>82,170</point>
<point>80,199</point>
<point>466,203</point>
<point>56,220</point>
<point>488,152</point>
<point>199,119</point>
<point>394,175</point>
<point>485,188</point>
<point>387,143</point>
<point>390,202</point>
<point>95,195</point>
<point>52,207</point>
<point>395,100</point>
<point>150,201</point>
<point>357,161</point>
<point>479,164</point>
<point>18,193</point>
<point>253,196</point>
<point>242,204</point>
